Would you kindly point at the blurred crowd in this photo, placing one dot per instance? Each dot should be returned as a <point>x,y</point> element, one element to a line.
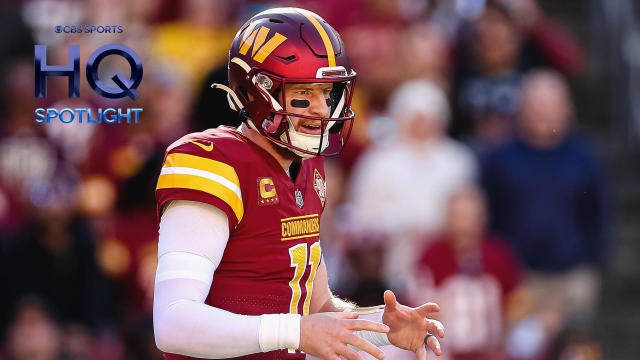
<point>466,180</point>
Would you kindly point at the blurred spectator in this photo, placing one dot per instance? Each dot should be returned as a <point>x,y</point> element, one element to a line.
<point>475,278</point>
<point>548,198</point>
<point>400,190</point>
<point>424,52</point>
<point>505,38</point>
<point>487,88</point>
<point>547,42</point>
<point>33,335</point>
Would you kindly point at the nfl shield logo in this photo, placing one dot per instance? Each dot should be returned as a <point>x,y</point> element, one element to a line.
<point>299,199</point>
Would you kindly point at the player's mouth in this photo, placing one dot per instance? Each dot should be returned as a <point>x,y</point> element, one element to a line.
<point>311,128</point>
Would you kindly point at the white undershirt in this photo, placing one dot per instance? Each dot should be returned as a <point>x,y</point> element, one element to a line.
<point>192,240</point>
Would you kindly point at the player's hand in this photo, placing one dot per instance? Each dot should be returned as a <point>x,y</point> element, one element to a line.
<point>409,326</point>
<point>327,335</point>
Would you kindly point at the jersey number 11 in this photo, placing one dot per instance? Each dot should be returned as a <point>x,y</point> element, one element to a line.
<point>300,261</point>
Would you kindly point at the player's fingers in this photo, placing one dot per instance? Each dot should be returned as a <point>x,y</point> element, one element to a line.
<point>390,300</point>
<point>361,324</point>
<point>432,342</point>
<point>364,345</point>
<point>350,354</point>
<point>435,327</point>
<point>427,308</point>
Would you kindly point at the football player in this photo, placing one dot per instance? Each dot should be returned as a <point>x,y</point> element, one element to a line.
<point>240,271</point>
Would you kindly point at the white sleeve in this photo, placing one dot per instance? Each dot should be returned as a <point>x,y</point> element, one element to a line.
<point>192,240</point>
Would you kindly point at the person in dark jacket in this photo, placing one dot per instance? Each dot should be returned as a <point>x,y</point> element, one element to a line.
<point>548,197</point>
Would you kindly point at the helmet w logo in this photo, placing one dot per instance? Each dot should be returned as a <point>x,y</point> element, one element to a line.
<point>256,39</point>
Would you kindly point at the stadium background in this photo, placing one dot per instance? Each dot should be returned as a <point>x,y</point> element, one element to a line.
<point>77,227</point>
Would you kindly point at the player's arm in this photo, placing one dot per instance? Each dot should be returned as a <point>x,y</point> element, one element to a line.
<point>193,237</point>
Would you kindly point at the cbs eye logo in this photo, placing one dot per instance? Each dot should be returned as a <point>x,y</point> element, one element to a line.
<point>126,87</point>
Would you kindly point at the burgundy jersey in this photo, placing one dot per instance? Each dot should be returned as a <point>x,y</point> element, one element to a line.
<point>273,251</point>
<point>472,294</point>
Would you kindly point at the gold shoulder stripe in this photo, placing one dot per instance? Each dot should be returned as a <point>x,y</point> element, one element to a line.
<point>323,34</point>
<point>201,163</point>
<point>197,173</point>
<point>208,186</point>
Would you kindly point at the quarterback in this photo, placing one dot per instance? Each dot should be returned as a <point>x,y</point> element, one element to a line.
<point>240,269</point>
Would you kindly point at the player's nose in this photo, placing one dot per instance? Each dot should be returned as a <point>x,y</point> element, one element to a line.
<point>319,107</point>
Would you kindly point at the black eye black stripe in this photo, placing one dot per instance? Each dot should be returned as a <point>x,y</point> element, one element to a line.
<point>302,104</point>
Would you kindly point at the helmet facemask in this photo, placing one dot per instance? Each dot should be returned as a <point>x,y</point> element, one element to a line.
<point>333,127</point>
<point>264,96</point>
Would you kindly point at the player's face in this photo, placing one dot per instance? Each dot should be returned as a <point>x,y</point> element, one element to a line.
<point>311,100</point>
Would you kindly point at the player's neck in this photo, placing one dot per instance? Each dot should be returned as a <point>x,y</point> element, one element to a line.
<point>266,145</point>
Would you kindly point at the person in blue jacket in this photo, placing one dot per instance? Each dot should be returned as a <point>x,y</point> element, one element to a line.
<point>548,197</point>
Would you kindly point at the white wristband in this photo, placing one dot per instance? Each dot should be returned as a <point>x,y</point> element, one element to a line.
<point>279,331</point>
